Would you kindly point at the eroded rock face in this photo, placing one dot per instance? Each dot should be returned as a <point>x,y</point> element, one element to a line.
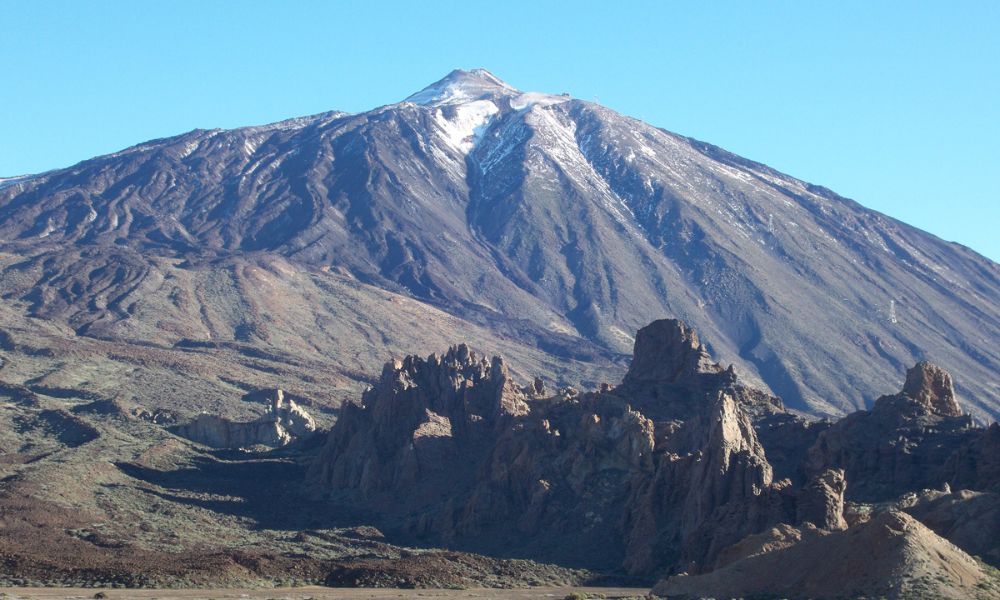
<point>664,470</point>
<point>931,386</point>
<point>707,498</point>
<point>282,423</point>
<point>907,442</point>
<point>426,420</point>
<point>672,374</point>
<point>670,471</point>
<point>668,351</point>
<point>294,419</point>
<point>821,502</point>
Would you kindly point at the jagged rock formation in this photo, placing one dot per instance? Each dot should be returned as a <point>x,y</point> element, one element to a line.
<point>668,351</point>
<point>822,501</point>
<point>671,472</point>
<point>661,471</point>
<point>671,373</point>
<point>908,442</point>
<point>891,556</point>
<point>418,423</point>
<point>917,439</point>
<point>283,422</point>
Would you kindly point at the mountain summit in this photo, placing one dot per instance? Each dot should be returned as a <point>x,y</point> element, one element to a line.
<point>549,226</point>
<point>463,86</point>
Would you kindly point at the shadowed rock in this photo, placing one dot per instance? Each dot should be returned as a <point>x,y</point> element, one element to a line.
<point>665,469</point>
<point>821,502</point>
<point>907,442</point>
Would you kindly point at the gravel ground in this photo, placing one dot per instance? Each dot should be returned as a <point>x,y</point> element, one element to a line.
<point>316,593</point>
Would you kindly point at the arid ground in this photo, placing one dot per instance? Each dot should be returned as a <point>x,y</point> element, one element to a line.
<point>321,593</point>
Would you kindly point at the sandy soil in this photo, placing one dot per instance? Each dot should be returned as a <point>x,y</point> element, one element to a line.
<point>315,593</point>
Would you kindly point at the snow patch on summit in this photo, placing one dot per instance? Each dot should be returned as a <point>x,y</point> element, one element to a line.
<point>462,87</point>
<point>463,125</point>
<point>531,99</point>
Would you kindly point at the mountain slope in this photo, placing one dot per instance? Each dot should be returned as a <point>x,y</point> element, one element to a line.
<point>553,221</point>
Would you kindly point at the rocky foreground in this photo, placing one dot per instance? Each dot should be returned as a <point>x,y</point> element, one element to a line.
<point>449,473</point>
<point>668,473</point>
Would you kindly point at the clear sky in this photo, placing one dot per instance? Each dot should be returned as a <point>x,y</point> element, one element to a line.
<point>894,104</point>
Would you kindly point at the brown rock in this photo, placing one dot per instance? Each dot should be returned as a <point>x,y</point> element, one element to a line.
<point>701,502</point>
<point>892,556</point>
<point>668,351</point>
<point>406,437</point>
<point>665,473</point>
<point>821,502</point>
<point>931,385</point>
<point>905,443</point>
<point>452,440</point>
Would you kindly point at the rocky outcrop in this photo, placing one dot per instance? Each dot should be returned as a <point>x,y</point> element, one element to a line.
<point>668,351</point>
<point>672,373</point>
<point>727,483</point>
<point>671,471</point>
<point>663,470</point>
<point>907,442</point>
<point>283,422</point>
<point>891,556</point>
<point>424,422</point>
<point>931,386</point>
<point>821,502</point>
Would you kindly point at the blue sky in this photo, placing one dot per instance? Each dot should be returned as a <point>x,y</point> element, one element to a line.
<point>894,104</point>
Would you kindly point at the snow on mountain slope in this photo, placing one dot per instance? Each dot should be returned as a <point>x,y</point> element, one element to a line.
<point>552,219</point>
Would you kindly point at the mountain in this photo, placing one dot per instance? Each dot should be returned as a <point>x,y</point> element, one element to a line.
<point>547,226</point>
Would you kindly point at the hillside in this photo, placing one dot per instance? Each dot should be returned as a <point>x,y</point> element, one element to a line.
<point>552,226</point>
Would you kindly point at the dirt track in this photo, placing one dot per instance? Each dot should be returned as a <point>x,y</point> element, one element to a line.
<point>315,593</point>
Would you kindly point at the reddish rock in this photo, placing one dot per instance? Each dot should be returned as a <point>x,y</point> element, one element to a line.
<point>668,351</point>
<point>931,386</point>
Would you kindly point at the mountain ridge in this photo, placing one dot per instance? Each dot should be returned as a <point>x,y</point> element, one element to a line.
<point>551,211</point>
